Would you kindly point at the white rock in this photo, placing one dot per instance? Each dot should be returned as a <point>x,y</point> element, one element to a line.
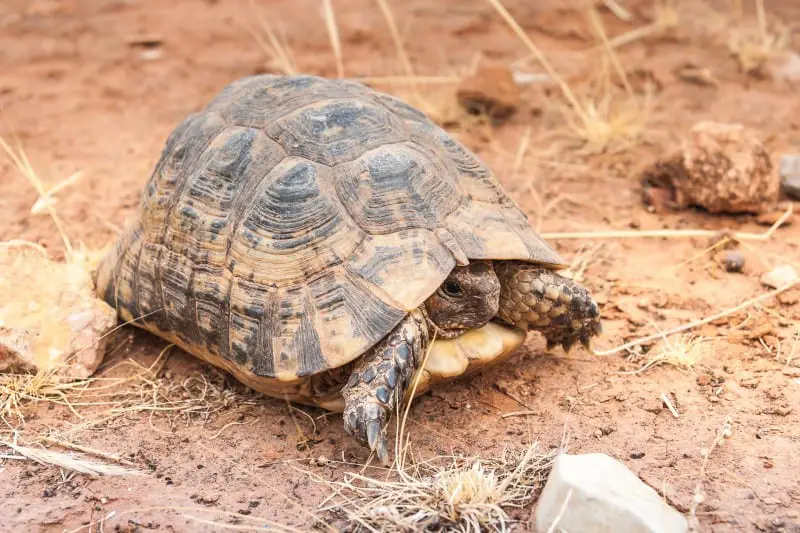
<point>604,497</point>
<point>50,319</point>
<point>779,276</point>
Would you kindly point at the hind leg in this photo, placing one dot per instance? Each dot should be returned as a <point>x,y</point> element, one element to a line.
<point>379,381</point>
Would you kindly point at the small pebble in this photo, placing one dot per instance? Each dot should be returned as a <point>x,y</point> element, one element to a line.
<point>733,260</point>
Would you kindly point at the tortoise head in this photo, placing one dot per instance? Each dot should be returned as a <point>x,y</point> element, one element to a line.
<point>469,298</point>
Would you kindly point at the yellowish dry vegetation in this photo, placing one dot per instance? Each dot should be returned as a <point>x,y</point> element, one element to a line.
<point>466,494</point>
<point>754,48</point>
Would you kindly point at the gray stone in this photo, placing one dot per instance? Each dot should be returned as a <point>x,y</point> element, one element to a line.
<point>594,493</point>
<point>733,260</point>
<point>790,176</point>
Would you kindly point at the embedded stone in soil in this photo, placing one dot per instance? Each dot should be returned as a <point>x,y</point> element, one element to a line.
<point>594,493</point>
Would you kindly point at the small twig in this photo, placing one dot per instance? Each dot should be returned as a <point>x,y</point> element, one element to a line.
<point>69,462</point>
<point>333,32</point>
<point>519,413</point>
<point>516,399</point>
<point>542,59</point>
<point>725,432</point>
<point>668,403</point>
<point>406,80</point>
<point>91,451</point>
<point>398,41</point>
<point>695,323</point>
<point>670,233</point>
<point>618,10</point>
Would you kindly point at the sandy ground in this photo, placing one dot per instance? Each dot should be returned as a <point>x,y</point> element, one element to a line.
<point>81,97</point>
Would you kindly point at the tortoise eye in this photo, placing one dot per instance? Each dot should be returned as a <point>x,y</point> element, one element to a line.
<point>452,288</point>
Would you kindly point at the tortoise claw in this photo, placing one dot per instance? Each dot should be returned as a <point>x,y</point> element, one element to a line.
<point>373,433</point>
<point>587,343</point>
<point>377,441</point>
<point>367,426</point>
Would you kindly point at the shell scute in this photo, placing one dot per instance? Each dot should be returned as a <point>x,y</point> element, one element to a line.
<point>293,222</point>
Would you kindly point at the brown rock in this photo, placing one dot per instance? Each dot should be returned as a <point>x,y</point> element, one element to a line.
<point>728,170</point>
<point>491,90</point>
<point>722,168</point>
<point>50,319</point>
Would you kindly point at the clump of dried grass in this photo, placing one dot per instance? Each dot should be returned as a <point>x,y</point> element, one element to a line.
<point>682,352</point>
<point>468,494</point>
<point>17,390</point>
<point>601,120</point>
<point>101,399</point>
<point>453,493</point>
<point>755,48</point>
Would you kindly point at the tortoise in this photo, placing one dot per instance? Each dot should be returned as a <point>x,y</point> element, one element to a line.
<point>316,237</point>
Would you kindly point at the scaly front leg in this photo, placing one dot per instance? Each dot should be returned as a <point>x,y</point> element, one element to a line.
<point>536,298</point>
<point>379,380</point>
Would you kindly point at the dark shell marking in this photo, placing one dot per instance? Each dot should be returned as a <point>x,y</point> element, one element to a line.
<point>292,224</point>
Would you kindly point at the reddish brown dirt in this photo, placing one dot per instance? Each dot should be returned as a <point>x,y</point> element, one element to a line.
<point>80,97</point>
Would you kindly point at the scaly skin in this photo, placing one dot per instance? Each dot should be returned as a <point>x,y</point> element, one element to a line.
<point>530,298</point>
<point>380,379</point>
<point>535,298</point>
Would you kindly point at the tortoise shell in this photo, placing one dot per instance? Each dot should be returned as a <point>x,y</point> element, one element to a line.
<point>294,221</point>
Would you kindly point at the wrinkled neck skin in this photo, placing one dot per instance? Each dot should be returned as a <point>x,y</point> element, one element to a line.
<point>468,299</point>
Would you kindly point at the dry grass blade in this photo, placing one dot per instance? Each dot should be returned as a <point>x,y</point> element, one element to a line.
<point>16,390</point>
<point>258,523</point>
<point>754,49</point>
<point>725,432</point>
<point>398,41</point>
<point>333,33</point>
<point>700,322</point>
<point>541,58</point>
<point>597,25</point>
<point>409,80</point>
<point>665,20</point>
<point>87,450</point>
<point>618,10</point>
<point>467,495</point>
<point>68,462</point>
<point>23,165</point>
<point>599,122</point>
<point>274,48</point>
<point>671,233</point>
